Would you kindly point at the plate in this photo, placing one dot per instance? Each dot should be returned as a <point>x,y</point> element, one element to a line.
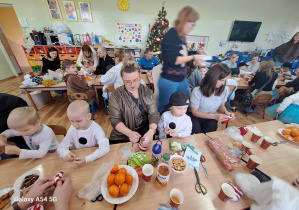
<point>120,199</point>
<point>19,181</point>
<point>280,132</point>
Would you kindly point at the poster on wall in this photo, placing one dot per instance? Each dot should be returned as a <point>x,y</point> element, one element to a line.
<point>197,42</point>
<point>85,11</point>
<point>54,9</point>
<point>129,32</point>
<point>70,10</point>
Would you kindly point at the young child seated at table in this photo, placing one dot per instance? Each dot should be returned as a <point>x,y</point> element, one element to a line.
<point>287,111</point>
<point>75,81</point>
<point>88,67</point>
<point>203,70</point>
<point>176,123</point>
<point>25,122</point>
<point>285,71</point>
<point>83,133</point>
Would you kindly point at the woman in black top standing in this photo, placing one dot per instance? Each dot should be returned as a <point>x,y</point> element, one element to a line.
<point>51,61</point>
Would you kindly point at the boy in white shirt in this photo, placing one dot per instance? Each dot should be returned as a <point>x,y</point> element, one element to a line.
<point>25,122</point>
<point>83,133</point>
<point>176,123</point>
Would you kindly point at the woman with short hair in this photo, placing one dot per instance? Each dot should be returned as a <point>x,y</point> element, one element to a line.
<point>208,100</point>
<point>132,109</point>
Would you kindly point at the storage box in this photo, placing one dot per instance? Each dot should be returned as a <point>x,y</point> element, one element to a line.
<point>70,50</point>
<point>40,98</point>
<point>39,49</point>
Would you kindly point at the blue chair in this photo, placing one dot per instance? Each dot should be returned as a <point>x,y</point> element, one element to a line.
<point>107,90</point>
<point>232,88</point>
<point>83,96</point>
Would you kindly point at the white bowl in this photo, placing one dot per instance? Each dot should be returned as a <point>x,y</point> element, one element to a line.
<point>120,199</point>
<point>19,181</point>
<point>181,157</point>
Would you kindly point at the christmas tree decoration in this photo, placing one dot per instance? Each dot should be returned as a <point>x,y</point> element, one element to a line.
<point>158,30</point>
<point>123,5</point>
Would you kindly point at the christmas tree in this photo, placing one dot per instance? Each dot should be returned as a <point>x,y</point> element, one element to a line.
<point>157,32</point>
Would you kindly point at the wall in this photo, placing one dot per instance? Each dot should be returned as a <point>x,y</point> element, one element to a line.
<point>216,18</point>
<point>5,70</point>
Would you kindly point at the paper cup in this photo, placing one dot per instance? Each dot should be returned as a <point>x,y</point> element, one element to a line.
<point>227,192</point>
<point>176,198</point>
<point>267,141</point>
<point>162,178</point>
<point>147,171</point>
<point>253,162</point>
<point>254,138</point>
<point>246,146</point>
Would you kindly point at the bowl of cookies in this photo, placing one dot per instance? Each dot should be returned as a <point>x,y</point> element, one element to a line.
<point>178,164</point>
<point>26,180</point>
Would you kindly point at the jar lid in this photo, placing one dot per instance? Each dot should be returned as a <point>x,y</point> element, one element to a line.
<point>166,156</point>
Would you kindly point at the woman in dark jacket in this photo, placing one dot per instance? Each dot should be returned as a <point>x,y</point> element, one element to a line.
<point>51,61</point>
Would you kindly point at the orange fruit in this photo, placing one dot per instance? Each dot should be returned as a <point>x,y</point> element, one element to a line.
<point>119,179</point>
<point>286,132</point>
<point>293,128</point>
<point>114,170</point>
<point>295,133</point>
<point>124,189</point>
<point>129,179</point>
<point>287,136</point>
<point>110,179</point>
<point>123,170</point>
<point>113,191</point>
<point>296,139</point>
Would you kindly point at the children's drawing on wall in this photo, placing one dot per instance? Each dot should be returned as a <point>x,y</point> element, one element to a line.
<point>271,36</point>
<point>287,35</point>
<point>70,10</point>
<point>197,42</point>
<point>54,9</point>
<point>85,11</point>
<point>129,32</point>
<point>222,44</point>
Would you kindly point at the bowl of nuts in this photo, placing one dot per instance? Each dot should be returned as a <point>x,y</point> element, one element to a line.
<point>178,164</point>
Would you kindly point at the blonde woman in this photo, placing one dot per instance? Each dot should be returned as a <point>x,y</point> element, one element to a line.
<point>232,62</point>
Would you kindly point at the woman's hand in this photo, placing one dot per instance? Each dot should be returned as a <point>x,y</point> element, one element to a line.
<point>221,117</point>
<point>40,188</point>
<point>134,136</point>
<point>149,135</point>
<point>232,115</point>
<point>63,193</point>
<point>278,110</point>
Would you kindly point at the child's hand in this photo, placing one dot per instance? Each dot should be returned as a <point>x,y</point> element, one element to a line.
<point>278,110</point>
<point>3,140</point>
<point>80,160</point>
<point>80,73</point>
<point>166,131</point>
<point>89,72</point>
<point>70,157</point>
<point>173,133</point>
<point>12,150</point>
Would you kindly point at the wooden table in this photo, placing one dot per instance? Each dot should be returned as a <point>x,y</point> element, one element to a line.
<point>281,161</point>
<point>149,195</point>
<point>243,84</point>
<point>50,164</point>
<point>59,86</point>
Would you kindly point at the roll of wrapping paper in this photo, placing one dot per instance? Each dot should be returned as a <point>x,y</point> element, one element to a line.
<point>58,177</point>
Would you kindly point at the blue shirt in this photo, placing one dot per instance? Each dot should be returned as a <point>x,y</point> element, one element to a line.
<point>234,65</point>
<point>148,65</point>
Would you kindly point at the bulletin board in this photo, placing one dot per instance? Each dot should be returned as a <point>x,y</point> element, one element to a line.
<point>197,42</point>
<point>129,32</point>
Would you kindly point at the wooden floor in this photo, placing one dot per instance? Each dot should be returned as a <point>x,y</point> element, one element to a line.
<point>54,113</point>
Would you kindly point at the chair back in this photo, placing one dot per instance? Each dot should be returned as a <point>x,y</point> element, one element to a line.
<point>108,90</point>
<point>79,96</point>
<point>58,129</point>
<point>263,99</point>
<point>156,73</point>
<point>231,87</point>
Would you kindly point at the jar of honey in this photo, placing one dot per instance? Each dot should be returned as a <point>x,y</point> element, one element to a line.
<point>163,174</point>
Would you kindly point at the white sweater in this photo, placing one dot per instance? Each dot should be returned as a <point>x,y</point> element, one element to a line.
<point>292,99</point>
<point>40,143</point>
<point>94,135</point>
<point>183,124</point>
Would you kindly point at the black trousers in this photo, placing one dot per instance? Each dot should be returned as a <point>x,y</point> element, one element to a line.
<point>200,125</point>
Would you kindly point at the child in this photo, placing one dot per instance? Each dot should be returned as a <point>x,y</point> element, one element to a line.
<point>241,69</point>
<point>203,71</point>
<point>86,66</point>
<point>285,71</point>
<point>75,81</point>
<point>288,110</point>
<point>25,122</point>
<point>176,123</point>
<point>83,133</point>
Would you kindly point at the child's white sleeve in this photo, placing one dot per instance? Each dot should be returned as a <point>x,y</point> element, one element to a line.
<point>63,148</point>
<point>187,129</point>
<point>44,148</point>
<point>10,133</point>
<point>286,102</point>
<point>104,147</point>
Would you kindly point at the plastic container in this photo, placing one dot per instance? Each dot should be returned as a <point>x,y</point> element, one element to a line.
<point>156,153</point>
<point>40,98</point>
<point>165,158</point>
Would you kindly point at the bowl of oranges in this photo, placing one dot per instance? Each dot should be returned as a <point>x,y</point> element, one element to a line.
<point>120,184</point>
<point>290,132</point>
